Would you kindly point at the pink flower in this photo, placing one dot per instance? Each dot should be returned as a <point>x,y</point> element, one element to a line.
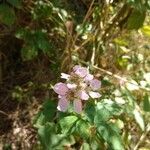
<point>95,84</point>
<point>63,104</point>
<point>83,95</point>
<point>65,76</point>
<point>77,104</point>
<point>79,86</point>
<point>76,67</point>
<point>80,71</point>
<point>94,94</point>
<point>88,77</point>
<point>71,86</point>
<point>61,88</point>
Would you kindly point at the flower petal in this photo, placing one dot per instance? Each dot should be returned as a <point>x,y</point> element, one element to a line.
<point>65,76</point>
<point>94,94</point>
<point>71,86</point>
<point>88,77</point>
<point>81,71</point>
<point>95,84</point>
<point>63,104</point>
<point>76,67</point>
<point>83,95</point>
<point>61,88</point>
<point>77,106</point>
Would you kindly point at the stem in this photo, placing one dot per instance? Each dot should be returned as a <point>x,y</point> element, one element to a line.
<point>142,137</point>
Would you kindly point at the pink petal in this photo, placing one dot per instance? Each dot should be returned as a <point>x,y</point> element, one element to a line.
<point>95,84</point>
<point>61,88</point>
<point>71,86</point>
<point>83,95</point>
<point>88,77</point>
<point>77,106</point>
<point>94,94</point>
<point>81,71</point>
<point>63,104</point>
<point>76,67</point>
<point>65,76</point>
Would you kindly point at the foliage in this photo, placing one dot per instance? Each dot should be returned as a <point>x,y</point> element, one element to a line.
<point>111,38</point>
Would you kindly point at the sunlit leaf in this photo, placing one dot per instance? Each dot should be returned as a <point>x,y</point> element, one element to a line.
<point>50,140</point>
<point>85,146</point>
<point>146,30</point>
<point>67,123</point>
<point>110,133</point>
<point>132,85</point>
<point>139,119</point>
<point>82,128</point>
<point>105,110</point>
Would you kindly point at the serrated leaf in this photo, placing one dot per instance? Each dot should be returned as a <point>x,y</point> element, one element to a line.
<point>50,140</point>
<point>45,133</point>
<point>49,109</point>
<point>90,111</point>
<point>15,3</point>
<point>7,15</point>
<point>146,102</point>
<point>39,120</point>
<point>67,123</point>
<point>46,115</point>
<point>139,119</point>
<point>82,128</point>
<point>105,110</point>
<point>136,19</point>
<point>110,133</point>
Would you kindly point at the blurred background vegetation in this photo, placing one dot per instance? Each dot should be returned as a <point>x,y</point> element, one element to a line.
<point>39,39</point>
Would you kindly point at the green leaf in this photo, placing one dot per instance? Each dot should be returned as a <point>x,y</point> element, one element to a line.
<point>67,123</point>
<point>7,15</point>
<point>90,111</point>
<point>45,133</point>
<point>49,109</point>
<point>136,19</point>
<point>105,110</point>
<point>50,140</point>
<point>110,133</point>
<point>146,102</point>
<point>46,115</point>
<point>42,41</point>
<point>85,146</point>
<point>139,119</point>
<point>83,129</point>
<point>15,3</point>
<point>29,52</point>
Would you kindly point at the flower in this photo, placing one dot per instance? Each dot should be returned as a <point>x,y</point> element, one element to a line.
<point>65,76</point>
<point>95,84</point>
<point>80,71</point>
<point>61,88</point>
<point>79,86</point>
